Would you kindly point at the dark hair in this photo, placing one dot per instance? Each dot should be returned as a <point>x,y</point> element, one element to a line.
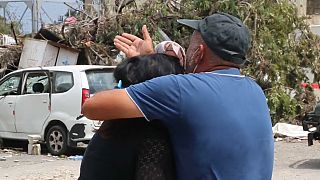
<point>148,142</point>
<point>141,68</point>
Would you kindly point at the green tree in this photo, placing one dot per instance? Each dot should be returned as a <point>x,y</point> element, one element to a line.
<point>5,27</point>
<point>282,44</point>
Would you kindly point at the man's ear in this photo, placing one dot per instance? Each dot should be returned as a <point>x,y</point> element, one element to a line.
<point>199,54</point>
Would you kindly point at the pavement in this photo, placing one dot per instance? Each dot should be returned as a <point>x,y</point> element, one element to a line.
<point>18,165</point>
<point>294,160</point>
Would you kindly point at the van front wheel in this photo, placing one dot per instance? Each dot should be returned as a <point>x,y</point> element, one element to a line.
<point>56,140</point>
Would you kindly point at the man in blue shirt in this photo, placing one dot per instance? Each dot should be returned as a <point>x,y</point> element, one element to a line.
<point>218,119</point>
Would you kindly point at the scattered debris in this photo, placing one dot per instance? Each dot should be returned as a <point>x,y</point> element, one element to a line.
<point>6,40</point>
<point>288,131</point>
<point>7,156</point>
<point>63,156</point>
<point>278,139</point>
<point>75,158</point>
<point>34,149</point>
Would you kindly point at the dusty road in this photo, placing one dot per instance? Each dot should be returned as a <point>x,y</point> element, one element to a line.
<point>20,166</point>
<point>293,161</point>
<point>296,161</point>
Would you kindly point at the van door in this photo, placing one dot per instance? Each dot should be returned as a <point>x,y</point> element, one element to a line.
<point>9,91</point>
<point>33,106</point>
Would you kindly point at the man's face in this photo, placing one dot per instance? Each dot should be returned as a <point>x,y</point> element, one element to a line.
<point>191,51</point>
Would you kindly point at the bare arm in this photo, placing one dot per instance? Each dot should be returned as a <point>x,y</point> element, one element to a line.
<point>112,104</point>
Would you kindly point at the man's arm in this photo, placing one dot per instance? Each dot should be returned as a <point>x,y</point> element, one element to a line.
<point>112,104</point>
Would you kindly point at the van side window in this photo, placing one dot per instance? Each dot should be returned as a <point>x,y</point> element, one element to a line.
<point>63,81</point>
<point>10,86</point>
<point>36,82</point>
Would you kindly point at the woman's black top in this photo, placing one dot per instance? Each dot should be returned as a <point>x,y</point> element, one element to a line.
<point>129,149</point>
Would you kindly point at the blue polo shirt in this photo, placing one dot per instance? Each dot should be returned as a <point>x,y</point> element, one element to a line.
<point>219,123</point>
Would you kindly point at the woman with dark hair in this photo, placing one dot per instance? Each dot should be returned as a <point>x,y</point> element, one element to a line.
<point>133,149</point>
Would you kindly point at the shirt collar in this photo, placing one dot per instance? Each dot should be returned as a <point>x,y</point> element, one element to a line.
<point>231,71</point>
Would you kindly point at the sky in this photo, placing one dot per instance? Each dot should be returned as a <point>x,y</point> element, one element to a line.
<point>15,10</point>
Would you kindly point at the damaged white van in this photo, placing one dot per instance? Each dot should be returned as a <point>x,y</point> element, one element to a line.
<point>47,101</point>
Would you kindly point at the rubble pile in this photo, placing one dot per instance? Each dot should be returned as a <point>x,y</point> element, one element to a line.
<point>9,58</point>
<point>94,34</point>
<point>78,34</point>
<point>82,34</point>
<point>90,33</point>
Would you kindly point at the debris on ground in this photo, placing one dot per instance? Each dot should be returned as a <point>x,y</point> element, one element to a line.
<point>14,155</point>
<point>75,158</point>
<point>288,132</point>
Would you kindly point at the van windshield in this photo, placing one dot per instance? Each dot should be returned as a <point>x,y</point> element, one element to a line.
<point>100,80</point>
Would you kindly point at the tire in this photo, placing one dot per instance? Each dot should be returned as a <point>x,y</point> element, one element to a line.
<point>56,140</point>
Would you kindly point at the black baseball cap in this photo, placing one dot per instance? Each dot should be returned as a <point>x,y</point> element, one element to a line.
<point>224,34</point>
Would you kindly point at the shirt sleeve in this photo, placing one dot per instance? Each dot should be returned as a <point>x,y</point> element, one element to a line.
<point>158,98</point>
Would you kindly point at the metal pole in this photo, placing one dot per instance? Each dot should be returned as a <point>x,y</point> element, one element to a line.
<point>3,6</point>
<point>35,16</point>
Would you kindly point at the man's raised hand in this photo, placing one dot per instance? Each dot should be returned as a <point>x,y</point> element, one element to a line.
<point>132,45</point>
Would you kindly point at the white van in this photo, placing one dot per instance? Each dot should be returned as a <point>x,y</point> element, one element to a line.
<point>47,101</point>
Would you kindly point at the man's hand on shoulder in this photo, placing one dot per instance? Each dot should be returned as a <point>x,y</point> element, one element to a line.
<point>112,104</point>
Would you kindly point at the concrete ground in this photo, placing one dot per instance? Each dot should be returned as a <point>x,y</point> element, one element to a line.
<point>296,161</point>
<point>18,165</point>
<point>293,161</point>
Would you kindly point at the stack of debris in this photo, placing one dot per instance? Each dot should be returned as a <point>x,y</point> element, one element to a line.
<point>9,58</point>
<point>82,35</point>
<point>73,35</point>
<point>89,34</point>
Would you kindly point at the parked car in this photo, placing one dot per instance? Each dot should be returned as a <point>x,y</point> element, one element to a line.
<point>47,101</point>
